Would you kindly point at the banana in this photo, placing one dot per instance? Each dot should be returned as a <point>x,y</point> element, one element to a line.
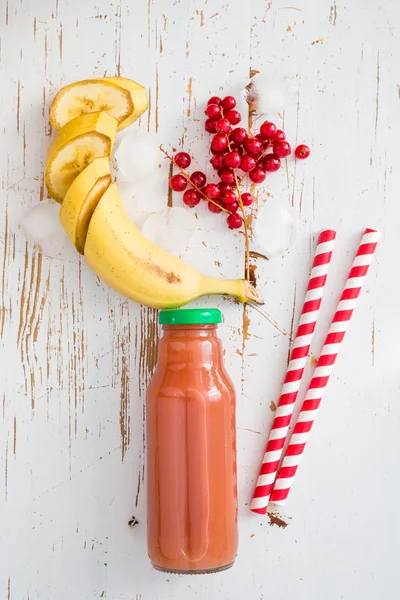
<point>75,146</point>
<point>122,98</point>
<point>139,98</point>
<point>82,198</point>
<point>128,262</point>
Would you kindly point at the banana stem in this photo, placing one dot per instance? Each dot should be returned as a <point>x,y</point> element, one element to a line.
<point>238,288</point>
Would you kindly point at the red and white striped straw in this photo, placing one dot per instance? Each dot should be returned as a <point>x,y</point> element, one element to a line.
<point>325,366</point>
<point>294,373</point>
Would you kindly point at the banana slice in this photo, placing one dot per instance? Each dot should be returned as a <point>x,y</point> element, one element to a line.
<point>139,98</point>
<point>81,200</point>
<point>78,143</point>
<point>122,98</point>
<point>122,257</point>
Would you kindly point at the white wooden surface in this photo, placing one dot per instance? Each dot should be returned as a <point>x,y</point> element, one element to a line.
<point>76,358</point>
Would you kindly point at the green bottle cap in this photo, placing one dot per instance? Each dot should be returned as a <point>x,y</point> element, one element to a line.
<point>190,316</point>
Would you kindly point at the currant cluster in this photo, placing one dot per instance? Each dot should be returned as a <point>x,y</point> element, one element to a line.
<point>233,149</point>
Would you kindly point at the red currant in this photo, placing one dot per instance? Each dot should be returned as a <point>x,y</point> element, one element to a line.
<point>212,190</point>
<point>223,126</point>
<point>209,125</point>
<point>213,111</point>
<point>229,197</point>
<point>218,161</point>
<point>233,207</point>
<point>234,221</point>
<point>233,116</point>
<point>253,146</point>
<point>228,103</point>
<point>232,159</point>
<point>198,179</point>
<point>224,187</point>
<point>267,129</point>
<point>279,135</point>
<point>238,136</point>
<point>247,199</point>
<point>302,151</point>
<point>214,100</point>
<point>282,149</point>
<point>219,143</point>
<point>182,159</point>
<point>191,197</point>
<point>227,176</point>
<point>271,162</point>
<point>264,142</point>
<point>178,183</point>
<point>247,163</point>
<point>258,175</point>
<point>214,208</point>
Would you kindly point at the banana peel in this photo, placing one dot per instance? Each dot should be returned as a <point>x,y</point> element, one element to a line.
<point>75,146</point>
<point>139,98</point>
<point>122,98</point>
<point>81,200</point>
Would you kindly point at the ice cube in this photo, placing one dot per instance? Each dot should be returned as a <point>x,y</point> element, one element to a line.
<point>145,197</point>
<point>171,228</point>
<point>42,221</point>
<point>270,90</point>
<point>275,227</point>
<point>138,156</point>
<point>44,231</point>
<point>131,205</point>
<point>149,195</point>
<point>141,173</point>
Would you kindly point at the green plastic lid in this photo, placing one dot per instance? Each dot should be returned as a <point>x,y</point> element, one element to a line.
<point>190,316</point>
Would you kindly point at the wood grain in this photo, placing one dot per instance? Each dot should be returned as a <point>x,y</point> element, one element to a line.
<point>76,358</point>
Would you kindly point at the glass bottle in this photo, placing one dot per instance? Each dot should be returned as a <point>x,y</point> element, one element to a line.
<point>191,448</point>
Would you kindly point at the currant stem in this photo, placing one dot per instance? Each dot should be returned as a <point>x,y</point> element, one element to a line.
<point>187,177</point>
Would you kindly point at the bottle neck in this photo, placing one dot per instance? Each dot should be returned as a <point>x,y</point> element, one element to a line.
<point>191,346</point>
<point>189,331</point>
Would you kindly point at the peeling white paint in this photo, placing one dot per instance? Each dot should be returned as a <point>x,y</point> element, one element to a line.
<point>76,358</point>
